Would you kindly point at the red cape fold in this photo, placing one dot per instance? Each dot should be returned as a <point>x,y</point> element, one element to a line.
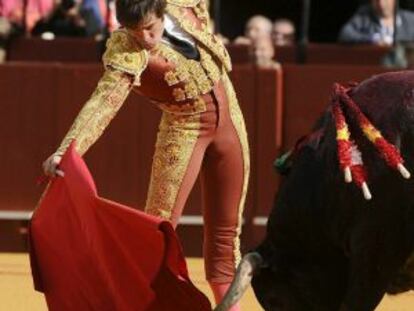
<point>89,253</point>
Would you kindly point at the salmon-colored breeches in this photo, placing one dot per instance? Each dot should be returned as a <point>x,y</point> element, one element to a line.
<point>214,145</point>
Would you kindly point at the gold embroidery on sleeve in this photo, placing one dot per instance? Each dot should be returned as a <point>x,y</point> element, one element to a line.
<point>99,110</point>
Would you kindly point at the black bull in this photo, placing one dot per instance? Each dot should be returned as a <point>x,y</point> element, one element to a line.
<point>327,248</point>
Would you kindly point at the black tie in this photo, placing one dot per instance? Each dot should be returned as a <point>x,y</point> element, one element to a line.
<point>182,46</point>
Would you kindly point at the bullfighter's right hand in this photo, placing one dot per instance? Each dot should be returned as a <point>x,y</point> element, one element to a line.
<point>51,166</point>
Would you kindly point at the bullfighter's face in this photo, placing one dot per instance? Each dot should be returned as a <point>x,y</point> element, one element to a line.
<point>148,33</point>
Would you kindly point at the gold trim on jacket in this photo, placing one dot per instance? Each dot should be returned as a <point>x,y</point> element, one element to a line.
<point>124,54</point>
<point>189,80</point>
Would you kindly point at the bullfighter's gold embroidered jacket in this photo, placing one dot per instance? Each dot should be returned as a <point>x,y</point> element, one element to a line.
<point>176,84</point>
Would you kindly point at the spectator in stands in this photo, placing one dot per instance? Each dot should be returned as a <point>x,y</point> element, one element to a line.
<point>11,16</point>
<point>283,32</point>
<point>107,11</point>
<point>262,53</point>
<point>257,27</point>
<point>374,24</point>
<point>91,13</point>
<point>23,15</point>
<point>72,18</point>
<point>16,16</point>
<point>5,30</point>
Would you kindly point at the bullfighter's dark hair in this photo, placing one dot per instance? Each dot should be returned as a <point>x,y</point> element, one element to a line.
<point>131,12</point>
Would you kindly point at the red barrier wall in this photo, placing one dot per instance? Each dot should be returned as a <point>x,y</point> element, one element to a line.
<point>88,50</point>
<point>85,50</point>
<point>333,54</point>
<point>306,92</point>
<point>346,54</point>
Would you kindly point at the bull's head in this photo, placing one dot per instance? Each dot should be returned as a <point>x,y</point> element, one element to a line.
<point>383,108</point>
<point>377,105</point>
<point>388,101</point>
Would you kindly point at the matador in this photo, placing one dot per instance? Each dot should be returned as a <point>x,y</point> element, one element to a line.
<point>202,131</point>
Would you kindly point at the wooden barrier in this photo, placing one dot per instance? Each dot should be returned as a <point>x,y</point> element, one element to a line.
<point>268,141</point>
<point>346,54</point>
<point>333,54</point>
<point>88,50</point>
<point>307,91</point>
<point>62,49</point>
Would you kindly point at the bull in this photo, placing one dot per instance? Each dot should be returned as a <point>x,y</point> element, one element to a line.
<point>328,245</point>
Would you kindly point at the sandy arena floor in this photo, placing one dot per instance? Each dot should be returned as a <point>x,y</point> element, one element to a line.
<point>17,294</point>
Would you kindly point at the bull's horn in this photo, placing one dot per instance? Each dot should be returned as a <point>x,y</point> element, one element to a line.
<point>404,172</point>
<point>241,281</point>
<point>366,191</point>
<point>348,174</point>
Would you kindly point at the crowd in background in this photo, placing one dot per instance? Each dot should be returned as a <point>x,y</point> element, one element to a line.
<point>57,17</point>
<point>50,18</point>
<point>372,23</point>
<point>263,36</point>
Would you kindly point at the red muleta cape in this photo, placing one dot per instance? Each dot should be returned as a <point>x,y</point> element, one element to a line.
<point>91,254</point>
